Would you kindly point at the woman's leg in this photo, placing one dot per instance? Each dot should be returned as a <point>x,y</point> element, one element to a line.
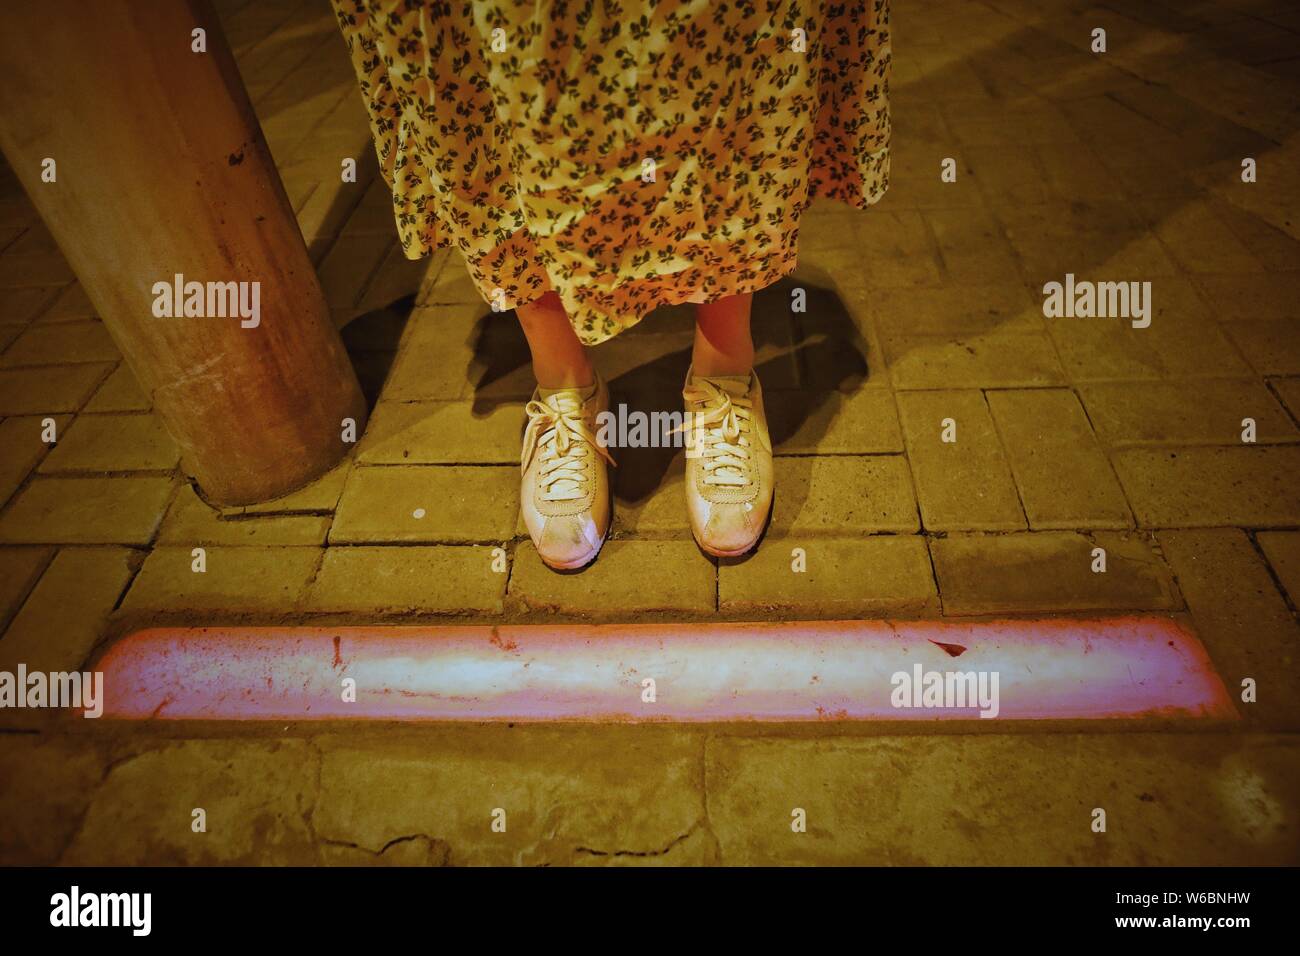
<point>559,359</point>
<point>723,345</point>
<point>564,489</point>
<point>729,474</point>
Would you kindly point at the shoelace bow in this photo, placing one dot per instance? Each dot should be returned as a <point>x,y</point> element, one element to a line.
<point>561,436</point>
<point>720,433</point>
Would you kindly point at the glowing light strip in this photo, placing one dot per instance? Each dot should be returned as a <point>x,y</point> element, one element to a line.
<point>793,671</point>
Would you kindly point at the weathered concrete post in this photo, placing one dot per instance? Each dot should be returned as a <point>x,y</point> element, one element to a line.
<point>160,170</point>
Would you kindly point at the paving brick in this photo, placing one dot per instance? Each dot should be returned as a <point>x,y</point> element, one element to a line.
<point>24,271</point>
<point>1184,413</point>
<point>566,793</point>
<point>191,521</point>
<point>1282,548</point>
<point>880,575</point>
<point>63,343</point>
<point>114,442</point>
<point>439,351</point>
<point>257,795</point>
<point>898,250</point>
<point>86,511</point>
<point>1197,238</point>
<point>435,503</point>
<point>1093,240</point>
<point>20,306</point>
<point>19,570</point>
<point>236,579</point>
<point>1195,487</point>
<point>318,496</point>
<point>649,498</point>
<point>629,577</point>
<point>964,335</point>
<point>863,422</point>
<point>1004,799</point>
<point>972,247</point>
<point>49,783</point>
<point>1241,619</point>
<point>22,441</point>
<point>1288,389</point>
<point>1063,476</point>
<point>1182,341</point>
<point>1050,571</point>
<point>1272,347</point>
<point>43,391</point>
<point>965,484</point>
<point>65,614</point>
<point>840,495</point>
<point>1253,296</point>
<point>347,267</point>
<point>443,579</point>
<point>71,305</point>
<point>119,393</point>
<point>440,433</point>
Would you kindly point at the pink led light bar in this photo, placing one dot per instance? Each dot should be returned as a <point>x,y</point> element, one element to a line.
<point>824,670</point>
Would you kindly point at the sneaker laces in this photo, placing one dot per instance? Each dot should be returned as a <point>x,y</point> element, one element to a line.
<point>720,433</point>
<point>558,432</point>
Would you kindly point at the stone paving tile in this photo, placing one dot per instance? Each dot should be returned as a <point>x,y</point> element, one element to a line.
<point>876,576</point>
<point>1288,389</point>
<point>19,570</point>
<point>965,484</point>
<point>235,579</point>
<point>863,422</point>
<point>191,521</point>
<point>43,391</point>
<point>114,442</point>
<point>71,305</point>
<point>1272,347</point>
<point>257,796</point>
<point>1182,413</point>
<point>841,495</point>
<point>428,503</point>
<point>1194,487</point>
<point>20,306</point>
<point>1197,238</point>
<point>566,792</point>
<point>317,496</point>
<point>1182,341</point>
<point>25,271</point>
<point>49,782</point>
<point>1241,619</point>
<point>1050,571</point>
<point>437,351</point>
<point>1062,474</point>
<point>86,511</point>
<point>628,578</point>
<point>445,579</point>
<point>1092,240</point>
<point>119,393</point>
<point>347,267</point>
<point>649,502</point>
<point>899,250</point>
<point>442,433</point>
<point>24,449</point>
<point>65,614</point>
<point>972,247</point>
<point>1254,296</point>
<point>62,344</point>
<point>1282,548</point>
<point>1006,799</point>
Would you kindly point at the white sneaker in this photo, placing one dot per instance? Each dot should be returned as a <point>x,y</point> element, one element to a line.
<point>729,475</point>
<point>564,495</point>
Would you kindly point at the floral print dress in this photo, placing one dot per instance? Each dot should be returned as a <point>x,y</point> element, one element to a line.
<point>625,153</point>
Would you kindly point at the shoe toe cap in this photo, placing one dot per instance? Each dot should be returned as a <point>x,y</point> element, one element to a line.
<point>568,541</point>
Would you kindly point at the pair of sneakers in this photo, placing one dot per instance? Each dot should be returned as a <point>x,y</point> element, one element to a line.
<point>565,494</point>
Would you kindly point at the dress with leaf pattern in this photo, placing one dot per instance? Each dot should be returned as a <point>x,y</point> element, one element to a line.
<point>625,154</point>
